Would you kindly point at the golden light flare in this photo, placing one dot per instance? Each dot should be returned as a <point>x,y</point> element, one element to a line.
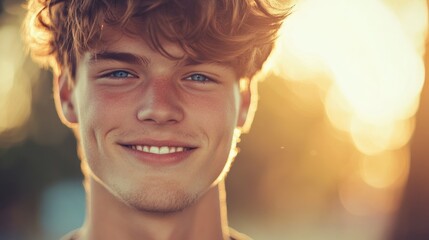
<point>372,139</point>
<point>371,53</point>
<point>372,189</point>
<point>385,170</point>
<point>361,199</point>
<point>16,107</point>
<point>15,91</point>
<point>366,57</point>
<point>413,17</point>
<point>337,109</point>
<point>6,81</point>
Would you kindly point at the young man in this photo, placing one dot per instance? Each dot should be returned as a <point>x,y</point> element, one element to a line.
<point>156,92</point>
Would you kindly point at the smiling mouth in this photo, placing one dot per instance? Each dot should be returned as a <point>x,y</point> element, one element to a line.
<point>158,149</point>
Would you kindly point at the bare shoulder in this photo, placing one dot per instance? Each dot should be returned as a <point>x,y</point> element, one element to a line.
<point>235,235</point>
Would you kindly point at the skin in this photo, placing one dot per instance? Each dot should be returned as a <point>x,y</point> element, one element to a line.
<point>127,94</point>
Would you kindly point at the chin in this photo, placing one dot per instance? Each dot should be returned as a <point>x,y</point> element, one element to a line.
<point>157,199</point>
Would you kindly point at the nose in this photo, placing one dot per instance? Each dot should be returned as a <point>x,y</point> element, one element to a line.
<point>160,103</point>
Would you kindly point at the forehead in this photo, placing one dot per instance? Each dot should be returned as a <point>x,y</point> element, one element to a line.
<point>131,45</point>
<point>125,47</point>
<point>132,39</point>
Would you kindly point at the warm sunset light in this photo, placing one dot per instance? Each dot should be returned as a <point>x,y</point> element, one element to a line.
<point>327,156</point>
<point>387,170</point>
<point>375,67</point>
<point>15,90</point>
<point>366,58</point>
<point>361,199</point>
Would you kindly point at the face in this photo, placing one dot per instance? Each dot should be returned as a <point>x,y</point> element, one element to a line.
<point>156,132</point>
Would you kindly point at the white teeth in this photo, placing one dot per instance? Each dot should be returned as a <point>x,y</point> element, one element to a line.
<point>154,149</point>
<point>158,150</point>
<point>163,150</point>
<point>172,150</point>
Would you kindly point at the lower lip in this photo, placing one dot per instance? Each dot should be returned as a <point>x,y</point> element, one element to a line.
<point>159,159</point>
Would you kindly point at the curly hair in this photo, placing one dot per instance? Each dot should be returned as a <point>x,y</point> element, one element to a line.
<point>240,33</point>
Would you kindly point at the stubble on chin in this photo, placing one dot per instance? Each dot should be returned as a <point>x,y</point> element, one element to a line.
<point>158,199</point>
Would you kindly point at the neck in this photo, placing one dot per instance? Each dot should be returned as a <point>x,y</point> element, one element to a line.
<point>108,218</point>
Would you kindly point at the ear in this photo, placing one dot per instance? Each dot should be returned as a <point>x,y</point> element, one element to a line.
<point>64,101</point>
<point>247,105</point>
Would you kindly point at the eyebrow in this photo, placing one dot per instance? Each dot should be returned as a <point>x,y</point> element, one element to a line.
<point>187,62</point>
<point>119,56</point>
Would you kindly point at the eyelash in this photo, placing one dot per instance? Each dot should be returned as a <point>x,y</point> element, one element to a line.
<point>206,79</point>
<point>111,74</point>
<point>130,75</point>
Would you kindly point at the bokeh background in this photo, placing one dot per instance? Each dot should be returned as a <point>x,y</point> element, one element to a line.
<point>337,149</point>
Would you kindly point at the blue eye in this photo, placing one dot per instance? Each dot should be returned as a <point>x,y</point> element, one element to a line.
<point>120,74</point>
<point>198,78</point>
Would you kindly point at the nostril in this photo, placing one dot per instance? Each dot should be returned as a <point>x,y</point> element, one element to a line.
<point>160,116</point>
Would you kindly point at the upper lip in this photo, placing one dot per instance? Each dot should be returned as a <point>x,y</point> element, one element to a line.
<point>158,143</point>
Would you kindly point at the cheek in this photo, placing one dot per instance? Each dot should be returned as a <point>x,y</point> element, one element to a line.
<point>225,112</point>
<point>98,109</point>
<point>220,124</point>
<point>98,113</point>
<point>217,114</point>
<point>217,117</point>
